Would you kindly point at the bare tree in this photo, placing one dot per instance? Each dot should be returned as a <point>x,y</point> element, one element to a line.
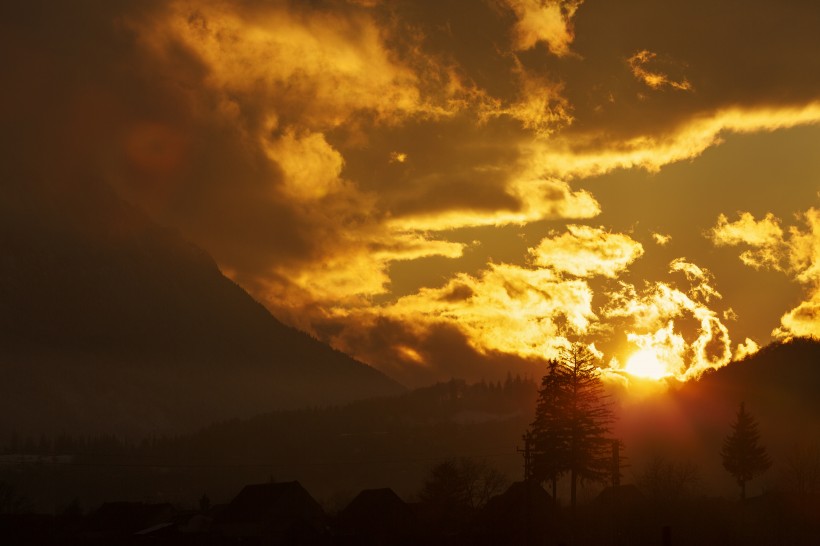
<point>662,480</point>
<point>802,471</point>
<point>462,482</point>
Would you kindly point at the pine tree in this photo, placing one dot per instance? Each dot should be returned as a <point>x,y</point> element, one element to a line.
<point>743,456</point>
<point>572,421</point>
<point>548,430</point>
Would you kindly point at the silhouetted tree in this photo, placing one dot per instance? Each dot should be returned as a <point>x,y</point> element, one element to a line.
<point>743,456</point>
<point>572,421</point>
<point>462,482</point>
<point>802,471</point>
<point>666,481</point>
<point>549,431</point>
<point>455,489</point>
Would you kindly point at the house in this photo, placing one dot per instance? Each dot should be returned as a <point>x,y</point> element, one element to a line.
<point>376,517</point>
<point>272,513</point>
<point>523,514</point>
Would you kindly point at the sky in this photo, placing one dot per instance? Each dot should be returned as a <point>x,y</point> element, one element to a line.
<point>454,188</point>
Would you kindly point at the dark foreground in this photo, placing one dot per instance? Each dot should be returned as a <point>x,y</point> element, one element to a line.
<point>286,514</point>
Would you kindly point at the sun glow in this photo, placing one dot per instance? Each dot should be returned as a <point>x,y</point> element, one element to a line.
<point>645,363</point>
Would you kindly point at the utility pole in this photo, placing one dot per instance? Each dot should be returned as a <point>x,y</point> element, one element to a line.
<point>528,484</point>
<point>527,452</point>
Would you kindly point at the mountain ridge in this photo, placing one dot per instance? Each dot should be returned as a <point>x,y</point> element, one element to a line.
<point>89,284</point>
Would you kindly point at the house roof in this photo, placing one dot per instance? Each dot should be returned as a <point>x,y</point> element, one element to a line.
<point>376,510</point>
<point>279,503</point>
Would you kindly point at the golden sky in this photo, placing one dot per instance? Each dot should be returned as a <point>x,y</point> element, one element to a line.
<point>456,188</point>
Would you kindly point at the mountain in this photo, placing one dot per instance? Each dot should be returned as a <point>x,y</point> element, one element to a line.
<point>779,385</point>
<point>111,322</point>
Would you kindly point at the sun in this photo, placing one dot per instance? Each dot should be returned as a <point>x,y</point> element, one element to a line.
<point>645,363</point>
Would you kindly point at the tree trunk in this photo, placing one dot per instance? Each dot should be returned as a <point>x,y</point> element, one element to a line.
<point>572,490</point>
<point>743,490</point>
<point>555,490</point>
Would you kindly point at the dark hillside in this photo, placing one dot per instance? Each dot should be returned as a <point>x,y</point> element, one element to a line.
<point>110,322</point>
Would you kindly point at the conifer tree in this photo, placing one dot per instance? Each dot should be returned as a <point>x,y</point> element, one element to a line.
<point>572,421</point>
<point>743,455</point>
<point>549,432</point>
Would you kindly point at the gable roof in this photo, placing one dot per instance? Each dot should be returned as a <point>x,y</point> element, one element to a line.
<point>376,510</point>
<point>274,503</point>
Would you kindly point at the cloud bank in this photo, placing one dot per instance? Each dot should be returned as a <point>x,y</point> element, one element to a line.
<point>315,148</point>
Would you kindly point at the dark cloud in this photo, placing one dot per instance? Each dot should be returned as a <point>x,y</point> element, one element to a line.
<point>309,146</point>
<point>735,54</point>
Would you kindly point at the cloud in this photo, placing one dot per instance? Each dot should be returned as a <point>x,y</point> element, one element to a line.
<point>547,21</point>
<point>661,239</point>
<point>795,252</point>
<point>764,236</point>
<point>524,312</point>
<point>473,325</point>
<point>804,264</point>
<point>315,147</point>
<point>531,312</point>
<point>527,200</point>
<point>803,320</point>
<point>506,308</point>
<point>747,348</point>
<point>313,68</point>
<point>655,318</point>
<point>539,104</point>
<point>700,278</point>
<point>311,168</point>
<point>584,251</point>
<point>587,154</point>
<point>640,62</point>
<point>702,37</point>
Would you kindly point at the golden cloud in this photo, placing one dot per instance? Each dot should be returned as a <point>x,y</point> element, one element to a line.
<point>540,105</point>
<point>765,236</point>
<point>506,308</point>
<point>796,253</point>
<point>639,64</point>
<point>651,316</point>
<point>802,321</point>
<point>311,145</point>
<point>359,268</point>
<point>747,348</point>
<point>586,251</point>
<point>538,199</point>
<point>699,277</point>
<point>313,67</point>
<point>661,239</point>
<point>585,155</point>
<point>547,21</point>
<point>310,165</point>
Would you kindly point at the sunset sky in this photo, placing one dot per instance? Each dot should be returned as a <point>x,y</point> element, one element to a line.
<point>461,187</point>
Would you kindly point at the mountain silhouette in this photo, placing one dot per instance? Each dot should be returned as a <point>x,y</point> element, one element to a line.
<point>111,322</point>
<point>779,386</point>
